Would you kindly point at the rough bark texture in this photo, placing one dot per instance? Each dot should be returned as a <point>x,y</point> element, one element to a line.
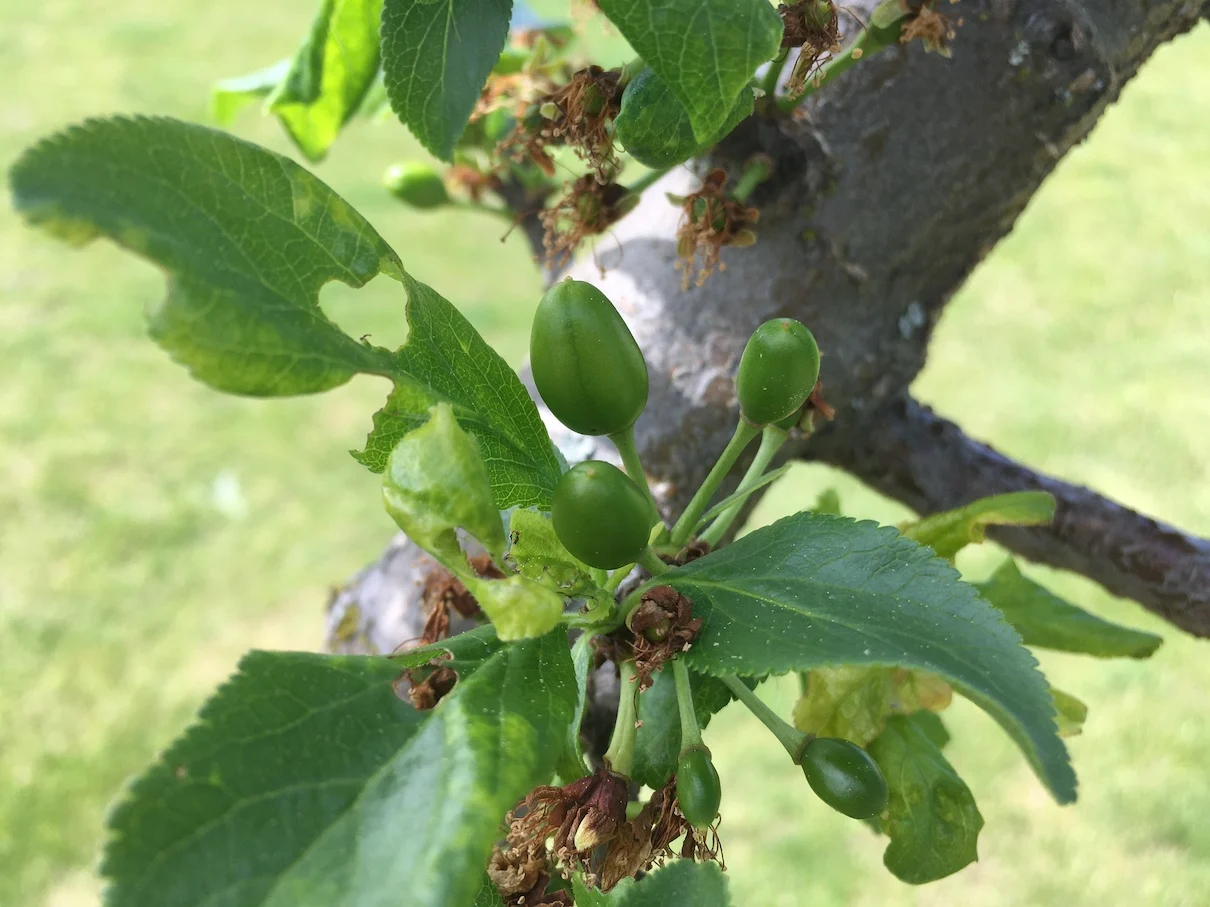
<point>891,185</point>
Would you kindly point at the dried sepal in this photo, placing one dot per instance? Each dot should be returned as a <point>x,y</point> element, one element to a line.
<point>588,207</point>
<point>711,220</point>
<point>814,26</point>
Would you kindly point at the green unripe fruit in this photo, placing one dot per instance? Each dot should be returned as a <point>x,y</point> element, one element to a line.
<point>698,789</point>
<point>777,371</point>
<point>600,515</point>
<point>845,777</point>
<point>416,184</point>
<point>585,363</point>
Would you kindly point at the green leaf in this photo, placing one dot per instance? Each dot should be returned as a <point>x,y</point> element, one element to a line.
<point>232,95</point>
<point>330,75</point>
<point>248,238</point>
<point>436,482</point>
<point>446,359</point>
<point>306,782</point>
<point>888,13</point>
<point>1070,713</point>
<point>463,652</point>
<point>704,50</point>
<point>436,57</point>
<point>654,128</point>
<point>658,739</point>
<point>1047,621</point>
<point>679,884</point>
<point>581,662</point>
<point>854,702</point>
<point>537,554</point>
<point>813,590</point>
<point>931,725</point>
<point>949,532</point>
<point>488,895</point>
<point>932,819</point>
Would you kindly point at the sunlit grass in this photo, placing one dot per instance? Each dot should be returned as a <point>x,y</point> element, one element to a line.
<point>152,530</point>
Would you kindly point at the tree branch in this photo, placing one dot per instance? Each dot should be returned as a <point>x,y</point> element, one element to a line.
<point>908,452</point>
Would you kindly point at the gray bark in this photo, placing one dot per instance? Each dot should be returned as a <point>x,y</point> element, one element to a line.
<point>889,187</point>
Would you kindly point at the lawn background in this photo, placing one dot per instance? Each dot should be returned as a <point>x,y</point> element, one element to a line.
<point>152,530</point>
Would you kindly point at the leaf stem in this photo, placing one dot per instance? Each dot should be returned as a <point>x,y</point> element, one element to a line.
<point>624,442</point>
<point>620,755</point>
<point>789,736</point>
<point>691,734</point>
<point>866,44</point>
<point>744,432</point>
<point>771,440</point>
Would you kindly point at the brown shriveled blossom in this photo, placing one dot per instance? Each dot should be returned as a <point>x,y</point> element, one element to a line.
<point>589,833</point>
<point>588,207</point>
<point>933,29</point>
<point>663,626</point>
<point>813,25</point>
<point>711,220</point>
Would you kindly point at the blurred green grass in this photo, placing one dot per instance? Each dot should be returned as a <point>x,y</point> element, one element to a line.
<point>152,530</point>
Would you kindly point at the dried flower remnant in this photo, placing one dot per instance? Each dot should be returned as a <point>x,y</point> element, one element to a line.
<point>814,26</point>
<point>711,220</point>
<point>663,626</point>
<point>931,28</point>
<point>582,114</point>
<point>587,208</point>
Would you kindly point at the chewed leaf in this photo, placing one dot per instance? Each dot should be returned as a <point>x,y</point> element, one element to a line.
<point>813,590</point>
<point>248,238</point>
<point>949,532</point>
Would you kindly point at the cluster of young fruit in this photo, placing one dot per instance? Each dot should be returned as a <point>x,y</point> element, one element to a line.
<point>592,376</point>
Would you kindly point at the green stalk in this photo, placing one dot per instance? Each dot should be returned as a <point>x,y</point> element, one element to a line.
<point>624,442</point>
<point>866,44</point>
<point>794,740</point>
<point>771,440</point>
<point>744,433</point>
<point>691,734</point>
<point>756,171</point>
<point>651,561</point>
<point>646,181</point>
<point>615,578</point>
<point>768,82</point>
<point>620,755</point>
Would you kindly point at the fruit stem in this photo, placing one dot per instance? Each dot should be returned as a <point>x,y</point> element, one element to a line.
<point>652,563</point>
<point>691,734</point>
<point>620,755</point>
<point>865,45</point>
<point>744,433</point>
<point>771,439</point>
<point>768,82</point>
<point>624,442</point>
<point>794,740</point>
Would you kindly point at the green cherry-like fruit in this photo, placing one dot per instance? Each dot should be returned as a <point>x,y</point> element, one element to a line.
<point>600,515</point>
<point>416,184</point>
<point>698,789</point>
<point>845,777</point>
<point>585,363</point>
<point>777,371</point>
